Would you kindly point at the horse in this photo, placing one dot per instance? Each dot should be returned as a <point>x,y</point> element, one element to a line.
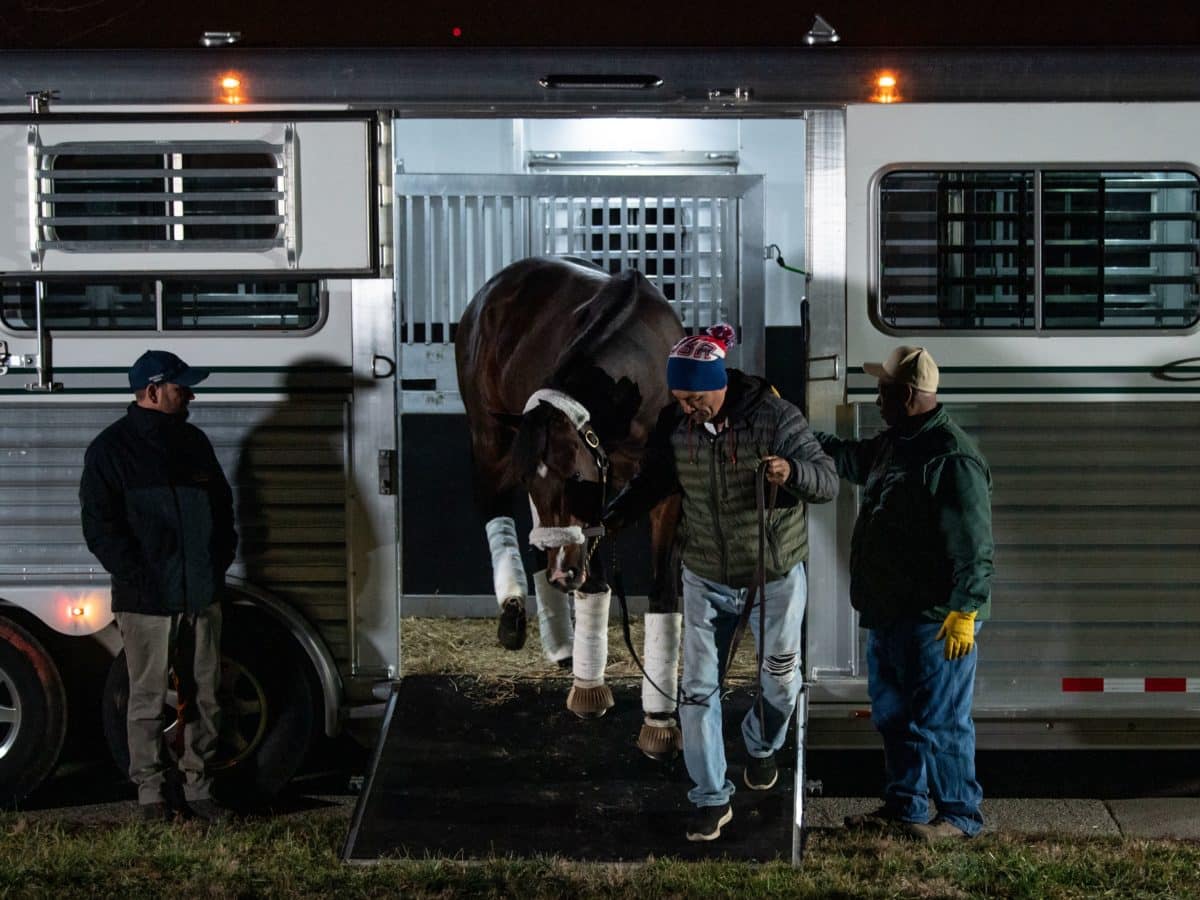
<point>562,371</point>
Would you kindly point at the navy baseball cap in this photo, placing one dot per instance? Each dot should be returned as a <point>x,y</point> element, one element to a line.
<point>163,367</point>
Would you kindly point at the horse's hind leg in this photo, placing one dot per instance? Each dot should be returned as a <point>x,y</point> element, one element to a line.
<point>590,697</point>
<point>660,737</point>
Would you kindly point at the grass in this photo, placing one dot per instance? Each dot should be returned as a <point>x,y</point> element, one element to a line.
<point>298,855</point>
<point>300,858</point>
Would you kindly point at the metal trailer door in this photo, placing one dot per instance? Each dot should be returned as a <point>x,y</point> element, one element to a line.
<point>698,238</point>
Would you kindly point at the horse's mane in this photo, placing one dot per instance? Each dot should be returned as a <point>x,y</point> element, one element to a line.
<point>601,319</point>
<point>613,404</point>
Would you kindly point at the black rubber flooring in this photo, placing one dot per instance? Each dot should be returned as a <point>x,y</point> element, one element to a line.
<point>524,777</point>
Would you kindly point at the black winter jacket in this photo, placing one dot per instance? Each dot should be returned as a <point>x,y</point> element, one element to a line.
<point>158,513</point>
<point>922,544</point>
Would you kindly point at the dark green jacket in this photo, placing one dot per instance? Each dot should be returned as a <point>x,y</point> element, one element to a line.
<point>716,475</point>
<point>922,545</point>
<point>158,513</point>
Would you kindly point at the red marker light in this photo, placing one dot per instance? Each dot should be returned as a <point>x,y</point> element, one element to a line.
<point>456,31</point>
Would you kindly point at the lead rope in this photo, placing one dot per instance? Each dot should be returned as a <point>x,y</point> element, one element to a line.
<point>758,592</point>
<point>758,589</point>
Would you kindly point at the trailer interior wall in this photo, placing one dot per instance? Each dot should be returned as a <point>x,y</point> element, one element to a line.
<point>773,148</point>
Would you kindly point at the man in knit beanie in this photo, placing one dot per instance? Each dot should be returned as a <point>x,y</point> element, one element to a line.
<point>709,446</point>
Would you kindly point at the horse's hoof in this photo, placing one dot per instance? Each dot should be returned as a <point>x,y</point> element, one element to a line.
<point>511,630</point>
<point>590,702</point>
<point>567,663</point>
<point>660,743</point>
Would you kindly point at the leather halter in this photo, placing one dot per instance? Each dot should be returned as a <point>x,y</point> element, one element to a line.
<point>578,415</point>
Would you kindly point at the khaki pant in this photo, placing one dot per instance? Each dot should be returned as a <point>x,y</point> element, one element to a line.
<point>148,646</point>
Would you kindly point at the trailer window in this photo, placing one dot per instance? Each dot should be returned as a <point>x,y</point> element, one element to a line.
<point>178,305</point>
<point>1119,250</point>
<point>255,306</point>
<point>956,250</point>
<point>107,307</point>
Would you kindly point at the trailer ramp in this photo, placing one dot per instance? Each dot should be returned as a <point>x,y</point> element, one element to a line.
<point>459,772</point>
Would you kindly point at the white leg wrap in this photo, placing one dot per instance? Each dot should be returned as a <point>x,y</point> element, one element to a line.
<point>661,658</point>
<point>508,572</point>
<point>591,638</point>
<point>554,618</point>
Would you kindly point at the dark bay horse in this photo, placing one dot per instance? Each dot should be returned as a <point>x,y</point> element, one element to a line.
<point>562,370</point>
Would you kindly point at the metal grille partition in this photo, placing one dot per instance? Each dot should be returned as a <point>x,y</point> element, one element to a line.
<point>691,235</point>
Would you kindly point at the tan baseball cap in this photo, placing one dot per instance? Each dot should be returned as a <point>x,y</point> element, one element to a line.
<point>907,365</point>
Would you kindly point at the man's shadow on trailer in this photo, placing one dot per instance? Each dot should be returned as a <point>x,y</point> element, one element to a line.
<point>304,535</point>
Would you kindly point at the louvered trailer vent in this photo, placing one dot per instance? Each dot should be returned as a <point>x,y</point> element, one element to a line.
<point>207,196</point>
<point>164,195</point>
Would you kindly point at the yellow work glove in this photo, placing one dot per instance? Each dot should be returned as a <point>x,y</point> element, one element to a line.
<point>959,632</point>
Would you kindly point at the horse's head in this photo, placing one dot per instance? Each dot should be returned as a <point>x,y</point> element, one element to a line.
<point>561,467</point>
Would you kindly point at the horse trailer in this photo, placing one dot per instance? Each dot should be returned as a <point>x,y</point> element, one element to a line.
<point>309,225</point>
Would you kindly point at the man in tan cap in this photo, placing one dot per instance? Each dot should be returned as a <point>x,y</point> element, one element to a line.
<point>920,578</point>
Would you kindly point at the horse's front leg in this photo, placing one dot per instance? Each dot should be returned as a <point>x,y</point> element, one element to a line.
<point>660,737</point>
<point>508,571</point>
<point>590,697</point>
<point>554,614</point>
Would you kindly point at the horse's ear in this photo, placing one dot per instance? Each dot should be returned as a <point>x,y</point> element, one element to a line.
<point>510,421</point>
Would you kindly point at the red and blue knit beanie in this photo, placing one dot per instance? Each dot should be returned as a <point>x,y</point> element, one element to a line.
<point>697,363</point>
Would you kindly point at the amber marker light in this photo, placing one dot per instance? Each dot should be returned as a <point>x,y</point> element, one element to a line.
<point>886,88</point>
<point>77,611</point>
<point>231,88</point>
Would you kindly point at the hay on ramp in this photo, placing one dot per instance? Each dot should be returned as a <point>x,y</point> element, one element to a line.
<point>467,649</point>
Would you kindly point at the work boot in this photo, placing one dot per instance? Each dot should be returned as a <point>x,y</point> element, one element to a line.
<point>209,811</point>
<point>760,773</point>
<point>876,820</point>
<point>511,630</point>
<point>937,830</point>
<point>706,822</point>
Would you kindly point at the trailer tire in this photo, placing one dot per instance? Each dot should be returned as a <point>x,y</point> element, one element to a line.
<point>268,709</point>
<point>33,713</point>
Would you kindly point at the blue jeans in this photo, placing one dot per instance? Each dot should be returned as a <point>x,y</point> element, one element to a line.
<point>710,614</point>
<point>921,705</point>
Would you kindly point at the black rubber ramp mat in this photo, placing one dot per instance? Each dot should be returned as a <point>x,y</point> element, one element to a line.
<point>462,773</point>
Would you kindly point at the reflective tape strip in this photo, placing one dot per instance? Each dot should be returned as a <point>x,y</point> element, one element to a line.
<point>1158,685</point>
<point>1124,685</point>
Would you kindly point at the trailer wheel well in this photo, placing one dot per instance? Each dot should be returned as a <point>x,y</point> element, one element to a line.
<point>324,668</point>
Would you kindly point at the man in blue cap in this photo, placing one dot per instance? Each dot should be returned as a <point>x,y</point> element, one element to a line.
<point>710,445</point>
<point>158,514</point>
